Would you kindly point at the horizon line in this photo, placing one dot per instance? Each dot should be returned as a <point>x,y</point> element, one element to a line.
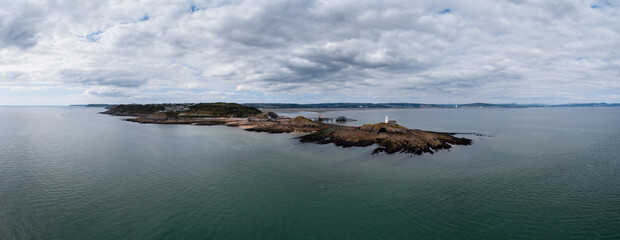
<point>513,103</point>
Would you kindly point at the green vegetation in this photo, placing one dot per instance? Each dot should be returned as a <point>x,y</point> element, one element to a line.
<point>221,109</point>
<point>218,109</point>
<point>266,115</point>
<point>273,115</point>
<point>134,109</point>
<point>300,119</point>
<point>171,114</point>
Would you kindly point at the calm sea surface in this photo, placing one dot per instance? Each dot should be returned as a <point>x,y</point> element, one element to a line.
<point>543,173</point>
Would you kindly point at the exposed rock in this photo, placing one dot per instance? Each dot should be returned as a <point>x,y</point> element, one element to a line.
<point>383,127</point>
<point>296,125</point>
<point>390,138</point>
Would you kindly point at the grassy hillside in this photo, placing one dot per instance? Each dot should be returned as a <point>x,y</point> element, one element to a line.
<point>222,109</point>
<point>218,109</point>
<point>134,109</point>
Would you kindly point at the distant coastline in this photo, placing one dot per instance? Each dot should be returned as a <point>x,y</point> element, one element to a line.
<point>353,106</point>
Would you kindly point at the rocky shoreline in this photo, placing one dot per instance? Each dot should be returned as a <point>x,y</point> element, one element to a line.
<point>388,138</point>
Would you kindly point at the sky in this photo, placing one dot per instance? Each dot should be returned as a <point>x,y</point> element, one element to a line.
<point>59,52</point>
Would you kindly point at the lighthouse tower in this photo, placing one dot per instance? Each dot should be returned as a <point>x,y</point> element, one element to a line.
<point>386,119</point>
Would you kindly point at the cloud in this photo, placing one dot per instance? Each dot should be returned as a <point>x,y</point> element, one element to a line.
<point>13,77</point>
<point>103,77</point>
<point>105,91</point>
<point>315,50</point>
<point>19,28</point>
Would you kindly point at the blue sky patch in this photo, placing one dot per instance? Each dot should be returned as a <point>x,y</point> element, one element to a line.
<point>601,4</point>
<point>94,37</point>
<point>193,8</point>
<point>145,18</point>
<point>195,71</point>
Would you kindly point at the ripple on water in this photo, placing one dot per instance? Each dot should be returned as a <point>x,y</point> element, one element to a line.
<point>79,175</point>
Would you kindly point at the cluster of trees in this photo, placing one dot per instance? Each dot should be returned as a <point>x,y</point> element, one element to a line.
<point>136,109</point>
<point>218,109</point>
<point>222,109</point>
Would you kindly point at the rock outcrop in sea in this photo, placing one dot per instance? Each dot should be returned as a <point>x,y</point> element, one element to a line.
<point>388,137</point>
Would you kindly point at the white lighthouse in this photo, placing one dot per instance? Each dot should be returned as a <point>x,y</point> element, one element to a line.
<point>388,121</point>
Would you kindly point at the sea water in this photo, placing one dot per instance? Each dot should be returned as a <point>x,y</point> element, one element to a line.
<point>537,173</point>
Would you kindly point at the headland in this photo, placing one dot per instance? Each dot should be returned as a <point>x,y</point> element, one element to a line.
<point>389,137</point>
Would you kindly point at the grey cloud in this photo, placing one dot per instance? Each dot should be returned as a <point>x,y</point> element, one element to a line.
<point>319,67</point>
<point>103,77</point>
<point>14,77</point>
<point>276,24</point>
<point>20,30</point>
<point>358,49</point>
<point>471,82</point>
<point>107,92</point>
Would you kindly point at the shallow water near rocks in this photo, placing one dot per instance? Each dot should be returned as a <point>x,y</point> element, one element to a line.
<point>544,173</point>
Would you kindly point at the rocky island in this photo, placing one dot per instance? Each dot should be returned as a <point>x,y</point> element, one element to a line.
<point>389,137</point>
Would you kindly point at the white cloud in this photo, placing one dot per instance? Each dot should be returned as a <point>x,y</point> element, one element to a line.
<point>413,51</point>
